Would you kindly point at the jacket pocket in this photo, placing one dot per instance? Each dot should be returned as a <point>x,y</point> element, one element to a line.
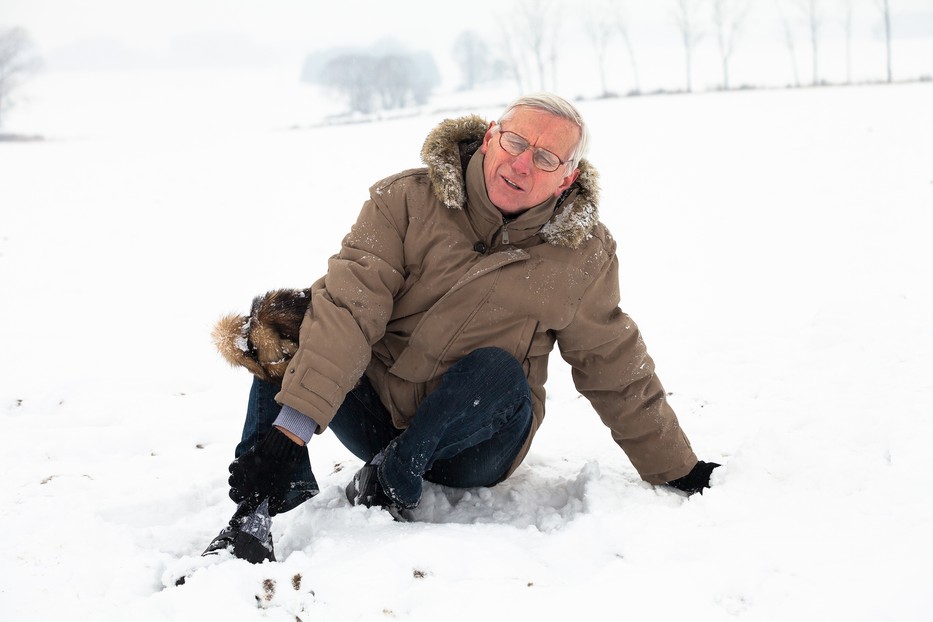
<point>319,378</point>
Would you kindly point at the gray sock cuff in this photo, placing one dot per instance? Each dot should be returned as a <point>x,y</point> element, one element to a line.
<point>298,424</point>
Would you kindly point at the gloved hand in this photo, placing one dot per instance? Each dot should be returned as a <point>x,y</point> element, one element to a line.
<point>265,471</point>
<point>696,480</point>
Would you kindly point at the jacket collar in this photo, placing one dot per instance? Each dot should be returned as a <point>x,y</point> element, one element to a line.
<point>447,151</point>
<point>526,225</point>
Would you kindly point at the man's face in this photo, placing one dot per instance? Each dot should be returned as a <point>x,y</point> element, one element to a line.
<point>513,183</point>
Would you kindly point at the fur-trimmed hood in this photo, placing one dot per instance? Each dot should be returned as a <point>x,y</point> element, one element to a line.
<point>448,148</point>
<point>266,340</point>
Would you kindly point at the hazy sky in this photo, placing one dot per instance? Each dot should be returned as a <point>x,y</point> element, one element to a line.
<point>146,21</point>
<point>277,24</point>
<point>130,34</point>
<point>289,24</point>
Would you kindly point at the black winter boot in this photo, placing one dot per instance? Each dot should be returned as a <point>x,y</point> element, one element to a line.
<point>247,536</point>
<point>366,490</point>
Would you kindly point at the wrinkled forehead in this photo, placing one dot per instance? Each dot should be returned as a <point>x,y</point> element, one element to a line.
<point>543,129</point>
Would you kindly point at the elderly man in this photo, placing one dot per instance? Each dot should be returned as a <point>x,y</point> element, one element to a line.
<point>424,347</point>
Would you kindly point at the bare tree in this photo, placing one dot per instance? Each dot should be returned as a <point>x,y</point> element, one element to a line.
<point>424,77</point>
<point>620,21</point>
<point>687,19</point>
<point>536,26</point>
<point>848,11</point>
<point>552,54</point>
<point>352,75</point>
<point>512,57</point>
<point>728,17</point>
<point>886,13</point>
<point>18,61</point>
<point>599,31</point>
<point>392,78</point>
<point>811,10</point>
<point>472,55</point>
<point>787,32</point>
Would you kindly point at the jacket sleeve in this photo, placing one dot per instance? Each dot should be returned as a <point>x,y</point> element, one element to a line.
<point>612,369</point>
<point>350,308</point>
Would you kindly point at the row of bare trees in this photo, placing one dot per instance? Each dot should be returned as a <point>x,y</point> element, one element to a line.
<point>527,45</point>
<point>729,16</point>
<point>528,42</point>
<point>531,38</point>
<point>814,12</point>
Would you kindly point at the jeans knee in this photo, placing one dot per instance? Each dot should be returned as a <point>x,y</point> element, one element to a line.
<point>494,358</point>
<point>496,368</point>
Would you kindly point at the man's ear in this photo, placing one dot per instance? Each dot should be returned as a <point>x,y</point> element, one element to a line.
<point>489,132</point>
<point>566,182</point>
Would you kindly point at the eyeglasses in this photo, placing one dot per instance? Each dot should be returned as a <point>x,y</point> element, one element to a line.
<point>516,146</point>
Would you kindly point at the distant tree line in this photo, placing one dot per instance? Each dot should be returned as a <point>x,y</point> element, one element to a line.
<point>532,45</point>
<point>527,44</point>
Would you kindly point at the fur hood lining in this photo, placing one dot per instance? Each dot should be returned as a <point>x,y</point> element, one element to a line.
<point>577,211</point>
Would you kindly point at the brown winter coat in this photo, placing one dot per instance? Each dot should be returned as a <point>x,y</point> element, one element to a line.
<point>431,271</point>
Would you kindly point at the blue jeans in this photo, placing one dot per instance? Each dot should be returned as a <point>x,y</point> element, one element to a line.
<point>465,434</point>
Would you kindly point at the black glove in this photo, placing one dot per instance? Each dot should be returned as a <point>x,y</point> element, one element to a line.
<point>265,471</point>
<point>696,480</point>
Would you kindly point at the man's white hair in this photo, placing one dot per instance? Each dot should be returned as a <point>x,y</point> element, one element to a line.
<point>559,107</point>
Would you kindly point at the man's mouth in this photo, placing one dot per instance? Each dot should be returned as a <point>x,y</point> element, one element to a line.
<point>511,183</point>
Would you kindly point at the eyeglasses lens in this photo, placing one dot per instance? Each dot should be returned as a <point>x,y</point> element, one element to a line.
<point>516,145</point>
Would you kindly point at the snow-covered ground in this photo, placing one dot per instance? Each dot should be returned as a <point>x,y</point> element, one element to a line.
<point>775,250</point>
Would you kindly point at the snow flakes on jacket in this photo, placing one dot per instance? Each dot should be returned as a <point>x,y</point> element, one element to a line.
<point>430,272</point>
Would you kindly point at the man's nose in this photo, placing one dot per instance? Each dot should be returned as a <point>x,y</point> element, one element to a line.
<point>524,162</point>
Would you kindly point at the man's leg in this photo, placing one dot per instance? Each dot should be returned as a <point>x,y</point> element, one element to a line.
<point>466,433</point>
<point>362,424</point>
<point>261,411</point>
<point>248,533</point>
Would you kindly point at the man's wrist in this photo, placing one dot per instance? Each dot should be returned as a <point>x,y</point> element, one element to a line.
<point>295,425</point>
<point>291,435</point>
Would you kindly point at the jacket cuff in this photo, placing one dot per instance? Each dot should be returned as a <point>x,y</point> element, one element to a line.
<point>298,424</point>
